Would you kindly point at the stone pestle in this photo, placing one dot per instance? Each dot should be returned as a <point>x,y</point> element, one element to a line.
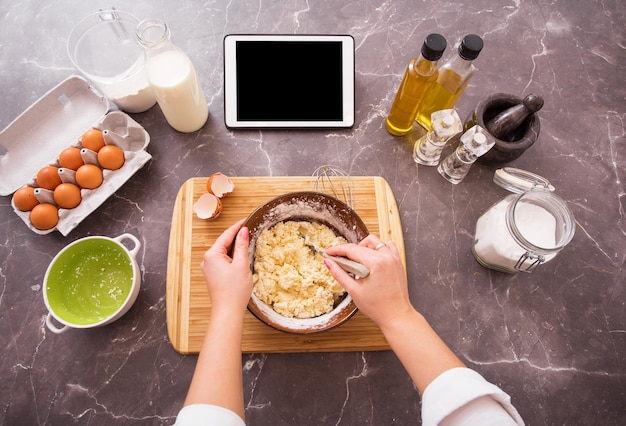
<point>504,125</point>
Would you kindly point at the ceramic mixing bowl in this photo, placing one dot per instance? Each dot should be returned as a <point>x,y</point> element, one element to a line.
<point>91,282</point>
<point>312,207</point>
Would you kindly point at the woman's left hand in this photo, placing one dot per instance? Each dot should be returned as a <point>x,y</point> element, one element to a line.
<point>229,280</point>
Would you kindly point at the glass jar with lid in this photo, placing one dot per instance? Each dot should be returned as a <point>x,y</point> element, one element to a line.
<point>524,229</point>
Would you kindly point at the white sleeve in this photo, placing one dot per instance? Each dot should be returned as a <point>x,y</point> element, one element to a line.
<point>206,414</point>
<point>461,396</point>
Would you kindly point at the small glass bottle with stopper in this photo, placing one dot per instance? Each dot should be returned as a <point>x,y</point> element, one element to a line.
<point>445,125</point>
<point>172,77</point>
<point>474,143</point>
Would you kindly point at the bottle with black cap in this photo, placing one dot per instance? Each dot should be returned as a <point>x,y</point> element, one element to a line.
<point>452,80</point>
<point>419,76</point>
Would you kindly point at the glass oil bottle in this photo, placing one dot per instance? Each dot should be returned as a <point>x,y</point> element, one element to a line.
<point>452,80</point>
<point>420,74</point>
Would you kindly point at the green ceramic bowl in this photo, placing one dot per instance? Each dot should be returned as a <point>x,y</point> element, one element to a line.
<point>91,282</point>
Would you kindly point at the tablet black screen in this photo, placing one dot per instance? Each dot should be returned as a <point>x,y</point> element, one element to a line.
<point>289,81</point>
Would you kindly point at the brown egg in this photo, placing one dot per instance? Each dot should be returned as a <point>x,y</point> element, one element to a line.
<point>111,157</point>
<point>67,195</point>
<point>24,198</point>
<point>89,176</point>
<point>92,139</point>
<point>70,158</point>
<point>48,177</point>
<point>44,216</point>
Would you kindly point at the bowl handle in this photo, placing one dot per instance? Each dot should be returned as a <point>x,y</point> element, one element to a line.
<point>136,243</point>
<point>53,328</point>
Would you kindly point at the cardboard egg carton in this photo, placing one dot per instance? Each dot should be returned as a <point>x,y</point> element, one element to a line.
<point>57,120</point>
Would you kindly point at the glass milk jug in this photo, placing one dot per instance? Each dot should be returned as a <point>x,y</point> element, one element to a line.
<point>172,77</point>
<point>524,229</point>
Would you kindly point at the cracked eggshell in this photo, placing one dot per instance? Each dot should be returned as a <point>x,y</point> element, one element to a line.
<point>208,207</point>
<point>219,185</point>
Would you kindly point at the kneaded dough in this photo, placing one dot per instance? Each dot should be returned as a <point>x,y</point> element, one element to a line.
<point>289,275</point>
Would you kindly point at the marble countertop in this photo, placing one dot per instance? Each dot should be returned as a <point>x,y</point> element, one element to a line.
<point>555,340</point>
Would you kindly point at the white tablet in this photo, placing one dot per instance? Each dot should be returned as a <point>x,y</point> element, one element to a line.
<point>285,81</point>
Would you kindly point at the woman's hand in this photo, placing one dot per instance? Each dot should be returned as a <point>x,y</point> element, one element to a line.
<point>383,295</point>
<point>217,379</point>
<point>228,280</point>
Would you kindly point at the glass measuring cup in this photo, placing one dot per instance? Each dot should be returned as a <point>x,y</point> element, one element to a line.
<point>524,229</point>
<point>103,47</point>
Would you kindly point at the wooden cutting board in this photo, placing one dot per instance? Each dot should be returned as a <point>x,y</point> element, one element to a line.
<point>188,305</point>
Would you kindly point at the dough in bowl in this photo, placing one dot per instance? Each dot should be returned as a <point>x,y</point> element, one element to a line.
<point>289,275</point>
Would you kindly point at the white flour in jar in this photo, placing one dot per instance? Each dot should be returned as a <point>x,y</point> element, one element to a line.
<point>495,245</point>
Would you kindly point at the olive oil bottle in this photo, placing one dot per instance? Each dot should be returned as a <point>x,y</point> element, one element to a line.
<point>452,80</point>
<point>419,76</point>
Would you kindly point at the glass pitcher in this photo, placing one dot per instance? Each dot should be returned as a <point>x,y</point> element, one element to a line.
<point>524,229</point>
<point>103,48</point>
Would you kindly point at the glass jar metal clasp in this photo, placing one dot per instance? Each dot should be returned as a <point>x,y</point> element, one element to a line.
<point>528,262</point>
<point>519,181</point>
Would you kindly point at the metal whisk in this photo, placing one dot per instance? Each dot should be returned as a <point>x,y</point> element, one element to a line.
<point>334,181</point>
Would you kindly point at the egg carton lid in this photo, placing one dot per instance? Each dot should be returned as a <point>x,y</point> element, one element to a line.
<point>37,136</point>
<point>55,121</point>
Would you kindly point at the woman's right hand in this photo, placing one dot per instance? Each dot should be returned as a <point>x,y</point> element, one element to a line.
<point>383,295</point>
